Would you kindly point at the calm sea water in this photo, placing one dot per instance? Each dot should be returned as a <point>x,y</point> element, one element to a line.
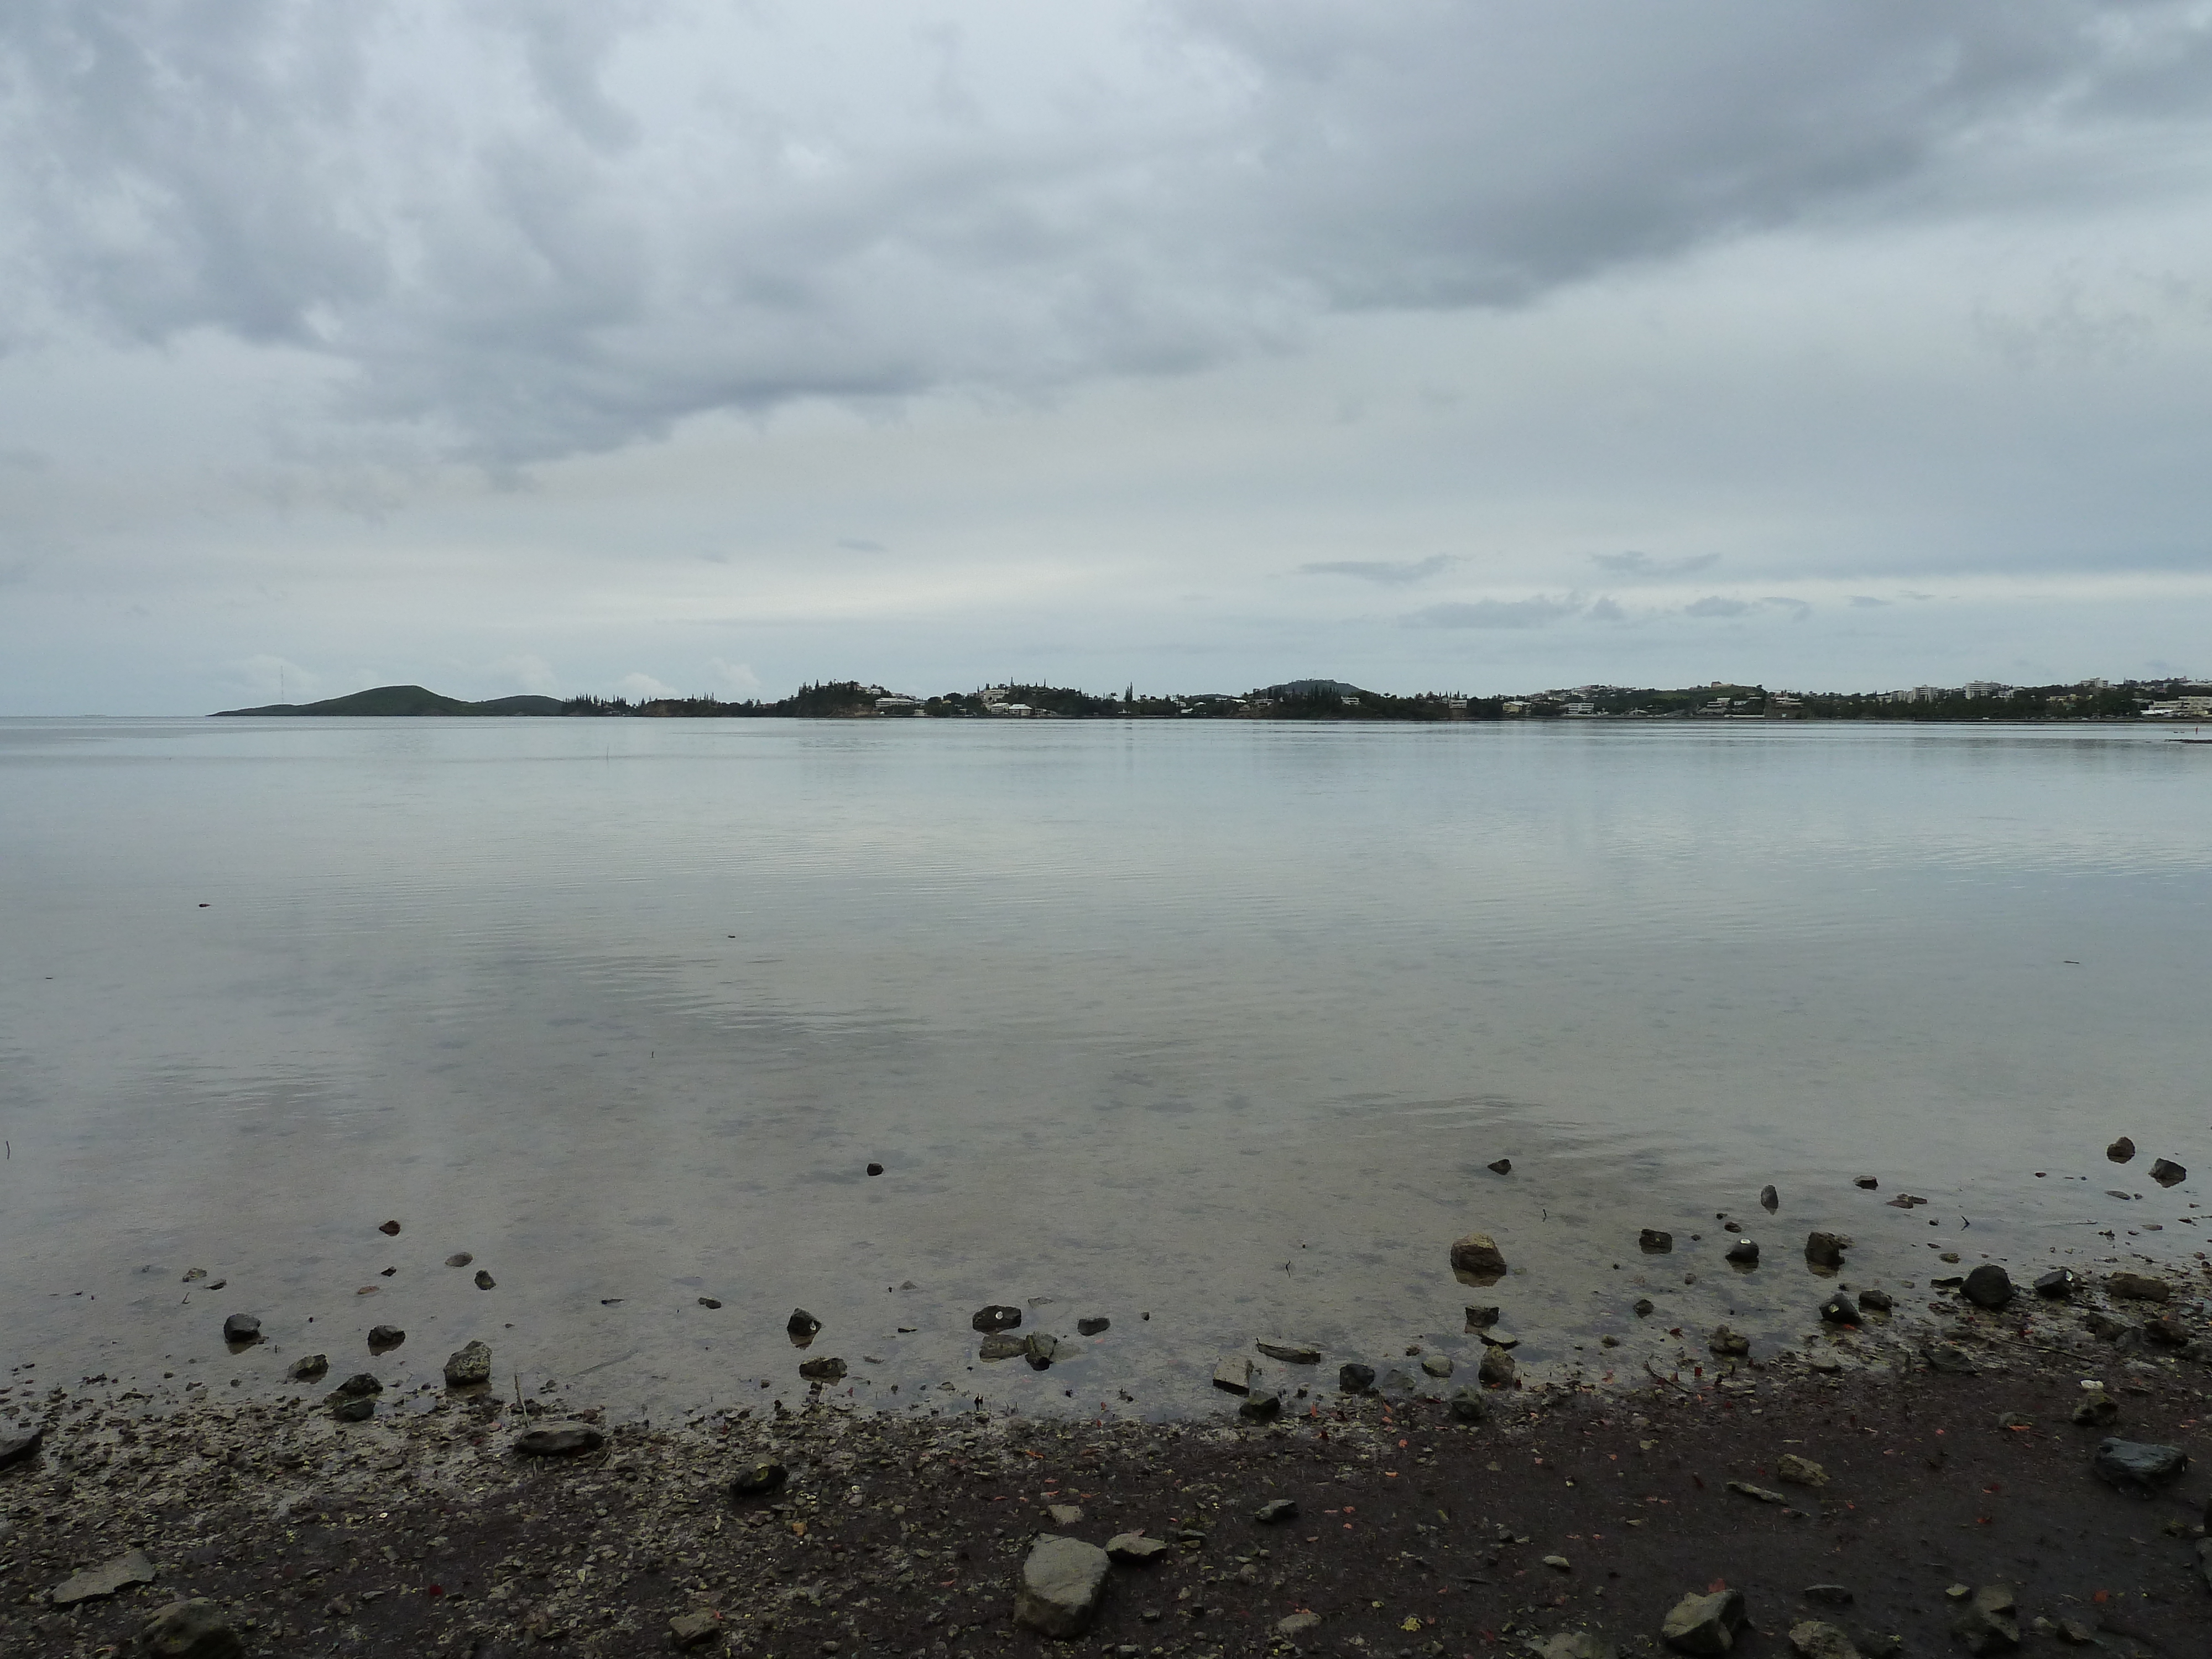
<point>1216,1023</point>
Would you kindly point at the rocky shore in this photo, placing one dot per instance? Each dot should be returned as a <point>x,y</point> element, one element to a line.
<point>1902,1480</point>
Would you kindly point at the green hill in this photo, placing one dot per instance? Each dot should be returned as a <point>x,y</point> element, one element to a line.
<point>399,700</point>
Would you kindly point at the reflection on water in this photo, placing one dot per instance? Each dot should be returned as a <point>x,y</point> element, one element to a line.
<point>1219,1024</point>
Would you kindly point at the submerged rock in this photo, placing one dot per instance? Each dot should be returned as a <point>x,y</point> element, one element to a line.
<point>459,1259</point>
<point>1744,1253</point>
<point>485,1281</point>
<point>802,1323</point>
<point>2140,1287</point>
<point>1728,1344</point>
<point>1092,1327</point>
<point>389,1228</point>
<point>308,1367</point>
<point>1480,1318</point>
<point>1879,1301</point>
<point>1002,1346</point>
<point>1261,1407</point>
<point>1436,1365</point>
<point>1501,1166</point>
<point>1498,1370</point>
<point>830,1370</point>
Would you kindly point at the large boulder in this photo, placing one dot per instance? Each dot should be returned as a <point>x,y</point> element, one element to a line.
<point>193,1629</point>
<point>1477,1256</point>
<point>1063,1580</point>
<point>1704,1625</point>
<point>468,1366</point>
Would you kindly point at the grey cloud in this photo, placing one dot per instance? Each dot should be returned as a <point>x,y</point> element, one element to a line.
<point>1537,612</point>
<point>1868,602</point>
<point>1643,564</point>
<point>528,228</point>
<point>1391,573</point>
<point>860,544</point>
<point>1715,605</point>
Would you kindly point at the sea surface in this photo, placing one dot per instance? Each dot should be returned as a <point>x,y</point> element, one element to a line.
<point>1211,1030</point>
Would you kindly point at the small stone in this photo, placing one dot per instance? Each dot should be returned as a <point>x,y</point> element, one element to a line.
<point>2168,1173</point>
<point>2011,1420</point>
<point>1988,1286</point>
<point>1559,1563</point>
<point>389,1228</point>
<point>1261,1407</point>
<point>2102,1326</point>
<point>1957,1592</point>
<point>802,1324</point>
<point>1276,1510</point>
<point>468,1366</point>
<point>2077,1634</point>
<point>1990,1623</point>
<point>2059,1282</point>
<point>875,1169</point>
<point>1296,1624</point>
<point>2137,1465</point>
<point>1355,1378</point>
<point>308,1367</point>
<point>1652,1242</point>
<point>1062,1581</point>
<point>1839,1309</point>
<point>1480,1318</point>
<point>94,1582</point>
<point>1291,1354</point>
<point>1065,1515</point>
<point>1234,1374</point>
<point>1500,1339</point>
<point>2121,1150</point>
<point>696,1630</point>
<point>1951,1255</point>
<point>1467,1406</point>
<point>1760,1494</point>
<point>1644,1307</point>
<point>1498,1370</point>
<point>354,1410</point>
<point>1744,1253</point>
<point>1865,1183</point>
<point>1877,1301</point>
<point>1800,1471</point>
<point>191,1629</point>
<point>459,1259</point>
<point>1134,1549</point>
<point>359,1386</point>
<point>1811,1639</point>
<point>559,1440</point>
<point>1501,1166</point>
<point>484,1280</point>
<point>1829,1595</point>
<point>757,1479</point>
<point>830,1370</point>
<point>708,1302</point>
<point>1905,1202</point>
<point>242,1327</point>
<point>1477,1256</point>
<point>1092,1327</point>
<point>383,1338</point>
<point>1704,1625</point>
<point>2097,1410</point>
<point>1827,1249</point>
<point>1438,1366</point>
<point>1769,1198</point>
<point>2139,1287</point>
<point>996,1317</point>
<point>1728,1344</point>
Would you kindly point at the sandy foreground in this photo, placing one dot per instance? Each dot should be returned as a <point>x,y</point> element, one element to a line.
<point>1947,1461</point>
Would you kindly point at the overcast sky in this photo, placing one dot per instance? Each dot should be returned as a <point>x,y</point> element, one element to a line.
<point>566,345</point>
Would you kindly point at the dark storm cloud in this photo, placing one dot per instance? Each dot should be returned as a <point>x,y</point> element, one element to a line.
<point>535,227</point>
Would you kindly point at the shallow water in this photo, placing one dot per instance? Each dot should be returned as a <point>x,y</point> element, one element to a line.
<point>1218,1022</point>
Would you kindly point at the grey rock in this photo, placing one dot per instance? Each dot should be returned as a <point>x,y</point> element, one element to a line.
<point>1645,1307</point>
<point>1092,1326</point>
<point>15,1448</point>
<point>2097,1410</point>
<point>1728,1344</point>
<point>1467,1406</point>
<point>1827,1249</point>
<point>1261,1407</point>
<point>1949,1357</point>
<point>459,1259</point>
<point>104,1580</point>
<point>1839,1309</point>
<point>757,1479</point>
<point>1500,1339</point>
<point>559,1440</point>
<point>1988,1286</point>
<point>1704,1625</point>
<point>2121,1150</point>
<point>1477,1256</point>
<point>2138,1465</point>
<point>2168,1173</point>
<point>802,1324</point>
<point>1573,1644</point>
<point>1653,1242</point>
<point>1757,1494</point>
<point>1394,1381</point>
<point>696,1630</point>
<point>382,1338</point>
<point>1291,1354</point>
<point>308,1367</point>
<point>830,1370</point>
<point>1002,1346</point>
<point>1276,1510</point>
<point>1800,1470</point>
<point>1498,1370</point>
<point>354,1410</point>
<point>1063,1580</point>
<point>1234,1374</point>
<point>1064,1515</point>
<point>1134,1549</point>
<point>1866,1183</point>
<point>2138,1287</point>
<point>485,1281</point>
<point>1355,1378</point>
<point>709,1302</point>
<point>1829,1595</point>
<point>1501,1166</point>
<point>1744,1253</point>
<point>996,1317</point>
<point>1480,1317</point>
<point>1769,1198</point>
<point>1990,1622</point>
<point>1040,1349</point>
<point>468,1366</point>
<point>2102,1326</point>
<point>1811,1639</point>
<point>1879,1301</point>
<point>1298,1623</point>
<point>389,1228</point>
<point>191,1629</point>
<point>359,1386</point>
<point>1438,1366</point>
<point>242,1327</point>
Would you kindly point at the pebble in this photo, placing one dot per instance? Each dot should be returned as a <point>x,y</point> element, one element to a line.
<point>459,1259</point>
<point>708,1302</point>
<point>1134,1549</point>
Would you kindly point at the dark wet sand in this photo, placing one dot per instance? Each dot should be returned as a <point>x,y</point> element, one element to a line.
<point>423,1533</point>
